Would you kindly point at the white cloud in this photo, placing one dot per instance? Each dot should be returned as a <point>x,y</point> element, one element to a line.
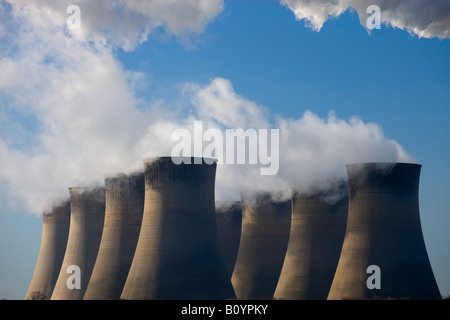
<point>87,121</point>
<point>178,15</point>
<point>220,102</point>
<point>125,24</point>
<point>424,18</point>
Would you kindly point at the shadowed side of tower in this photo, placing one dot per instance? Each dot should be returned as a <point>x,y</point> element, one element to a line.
<point>264,240</point>
<point>55,231</point>
<point>384,229</point>
<point>178,255</point>
<point>124,196</point>
<point>229,223</point>
<point>315,242</point>
<point>87,205</point>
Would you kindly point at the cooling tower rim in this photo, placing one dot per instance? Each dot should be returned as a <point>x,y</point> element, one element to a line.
<point>55,203</point>
<point>227,205</point>
<point>253,197</point>
<point>362,164</point>
<point>218,202</point>
<point>119,175</point>
<point>87,188</point>
<point>150,160</point>
<point>254,193</point>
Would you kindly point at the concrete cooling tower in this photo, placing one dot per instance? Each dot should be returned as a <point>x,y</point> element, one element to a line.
<point>124,197</point>
<point>229,222</point>
<point>384,255</point>
<point>264,239</point>
<point>315,242</point>
<point>178,255</point>
<point>87,206</point>
<point>55,231</point>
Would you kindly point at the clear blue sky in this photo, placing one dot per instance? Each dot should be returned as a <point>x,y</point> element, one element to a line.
<point>390,77</point>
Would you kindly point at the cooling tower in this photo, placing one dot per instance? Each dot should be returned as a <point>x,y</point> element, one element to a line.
<point>315,242</point>
<point>55,231</point>
<point>178,255</point>
<point>124,197</point>
<point>229,222</point>
<point>87,206</point>
<point>384,230</point>
<point>262,248</point>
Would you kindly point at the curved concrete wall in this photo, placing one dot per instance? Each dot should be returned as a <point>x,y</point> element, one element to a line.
<point>124,196</point>
<point>264,240</point>
<point>87,215</point>
<point>384,229</point>
<point>315,242</point>
<point>229,223</point>
<point>55,231</point>
<point>178,255</point>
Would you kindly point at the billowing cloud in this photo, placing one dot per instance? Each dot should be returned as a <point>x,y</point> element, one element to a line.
<point>424,18</point>
<point>69,115</point>
<point>125,24</point>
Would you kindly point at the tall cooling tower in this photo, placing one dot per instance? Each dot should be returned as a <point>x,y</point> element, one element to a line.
<point>124,196</point>
<point>87,206</point>
<point>229,222</point>
<point>384,254</point>
<point>55,231</point>
<point>315,242</point>
<point>178,255</point>
<point>262,248</point>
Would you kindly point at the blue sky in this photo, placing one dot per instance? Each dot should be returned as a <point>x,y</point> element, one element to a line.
<point>390,77</point>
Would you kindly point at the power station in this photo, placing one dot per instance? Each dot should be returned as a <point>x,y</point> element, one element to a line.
<point>315,242</point>
<point>178,254</point>
<point>55,230</point>
<point>124,207</point>
<point>229,223</point>
<point>87,214</point>
<point>384,255</point>
<point>160,235</point>
<point>264,240</point>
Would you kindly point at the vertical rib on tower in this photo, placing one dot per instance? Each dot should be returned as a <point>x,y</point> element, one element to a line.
<point>229,222</point>
<point>315,242</point>
<point>384,229</point>
<point>87,215</point>
<point>124,196</point>
<point>178,255</point>
<point>262,248</point>
<point>55,231</point>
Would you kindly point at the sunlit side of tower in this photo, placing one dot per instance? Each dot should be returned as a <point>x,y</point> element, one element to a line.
<point>87,215</point>
<point>55,231</point>
<point>315,242</point>
<point>264,239</point>
<point>124,196</point>
<point>178,255</point>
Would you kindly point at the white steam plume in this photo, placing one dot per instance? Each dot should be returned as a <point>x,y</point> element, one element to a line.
<point>68,114</point>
